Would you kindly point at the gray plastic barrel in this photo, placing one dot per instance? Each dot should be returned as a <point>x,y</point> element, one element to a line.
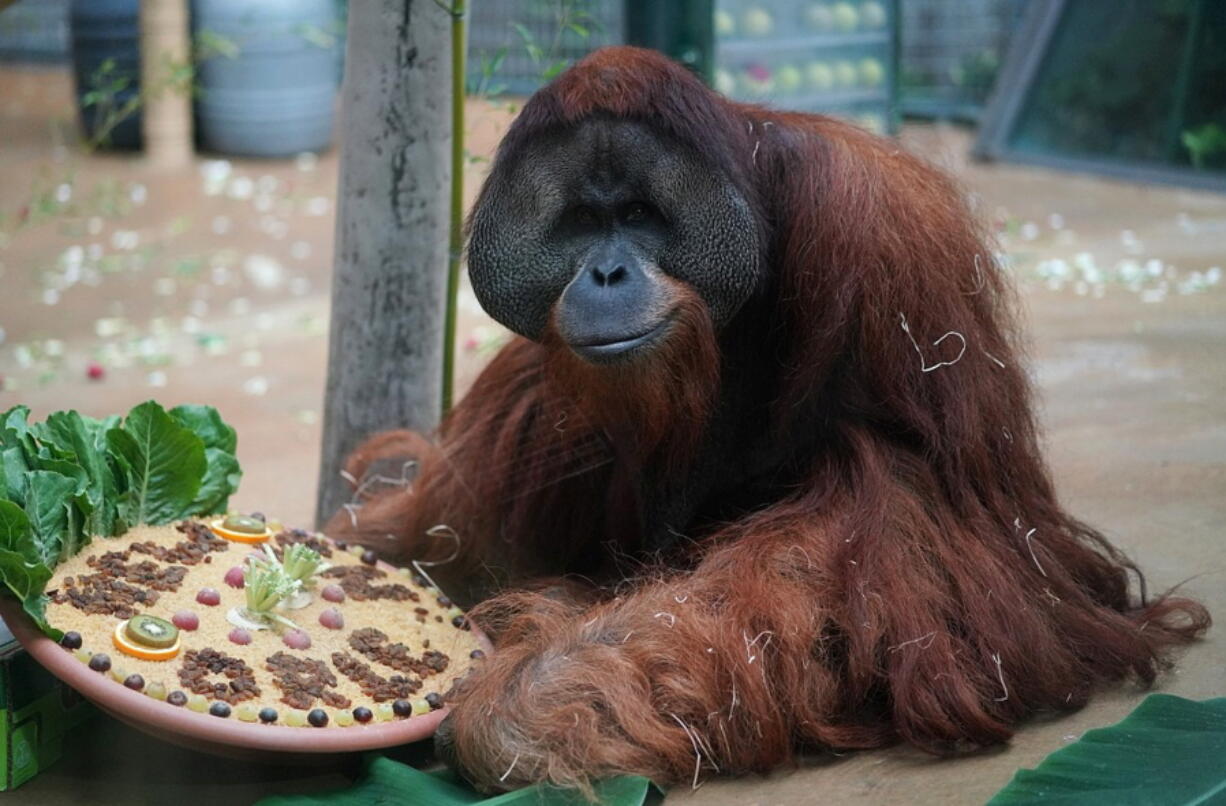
<point>106,58</point>
<point>275,97</point>
<point>34,31</point>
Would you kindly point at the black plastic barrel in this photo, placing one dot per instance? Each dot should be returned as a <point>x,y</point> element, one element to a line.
<point>106,66</point>
<point>275,95</point>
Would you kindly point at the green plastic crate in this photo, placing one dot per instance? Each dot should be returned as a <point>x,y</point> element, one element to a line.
<point>36,711</point>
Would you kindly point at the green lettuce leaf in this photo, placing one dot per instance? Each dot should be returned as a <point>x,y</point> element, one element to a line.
<point>21,569</point>
<point>164,461</point>
<point>72,477</point>
<point>48,500</point>
<point>85,439</point>
<point>208,425</point>
<point>15,532</point>
<point>220,481</point>
<point>14,429</point>
<point>13,470</point>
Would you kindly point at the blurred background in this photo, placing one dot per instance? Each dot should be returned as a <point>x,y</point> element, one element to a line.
<point>1091,135</point>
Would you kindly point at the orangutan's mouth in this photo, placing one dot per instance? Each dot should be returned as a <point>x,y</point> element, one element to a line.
<point>616,351</point>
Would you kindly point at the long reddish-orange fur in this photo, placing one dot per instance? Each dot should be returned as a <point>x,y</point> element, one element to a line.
<point>922,584</point>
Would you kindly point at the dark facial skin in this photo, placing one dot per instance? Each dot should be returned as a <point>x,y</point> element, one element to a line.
<point>592,226</point>
<point>594,219</point>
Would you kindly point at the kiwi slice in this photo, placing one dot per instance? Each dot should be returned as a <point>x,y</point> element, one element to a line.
<point>244,524</point>
<point>152,631</point>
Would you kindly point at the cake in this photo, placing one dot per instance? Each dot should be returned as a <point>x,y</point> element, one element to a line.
<point>234,618</point>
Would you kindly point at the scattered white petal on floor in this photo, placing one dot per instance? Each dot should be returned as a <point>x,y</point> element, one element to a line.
<point>256,386</point>
<point>264,272</point>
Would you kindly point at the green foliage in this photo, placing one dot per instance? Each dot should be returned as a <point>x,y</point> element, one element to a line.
<point>1169,750</point>
<point>566,17</point>
<point>387,781</point>
<point>107,83</point>
<point>1203,143</point>
<point>72,477</point>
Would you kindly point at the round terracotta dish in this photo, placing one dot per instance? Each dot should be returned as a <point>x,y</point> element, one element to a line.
<point>225,737</point>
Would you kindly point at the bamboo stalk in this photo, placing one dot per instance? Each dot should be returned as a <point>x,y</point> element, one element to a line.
<point>456,243</point>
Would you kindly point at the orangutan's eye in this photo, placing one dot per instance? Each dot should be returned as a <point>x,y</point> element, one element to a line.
<point>635,213</point>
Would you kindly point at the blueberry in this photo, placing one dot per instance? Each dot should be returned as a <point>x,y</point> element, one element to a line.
<point>318,717</point>
<point>369,557</point>
<point>219,709</point>
<point>363,714</point>
<point>459,622</point>
<point>177,698</point>
<point>134,682</point>
<point>268,715</point>
<point>476,654</point>
<point>434,700</point>
<point>402,708</point>
<point>71,640</point>
<point>100,663</point>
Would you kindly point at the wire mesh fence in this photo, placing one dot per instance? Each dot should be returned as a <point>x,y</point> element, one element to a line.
<point>515,46</point>
<point>951,51</point>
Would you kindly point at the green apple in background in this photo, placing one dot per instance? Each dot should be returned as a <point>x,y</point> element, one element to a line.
<point>845,17</point>
<point>820,76</point>
<point>872,14</point>
<point>788,78</point>
<point>818,17</point>
<point>725,24</point>
<point>872,72</point>
<point>844,74</point>
<point>757,21</point>
<point>757,80</point>
<point>724,82</point>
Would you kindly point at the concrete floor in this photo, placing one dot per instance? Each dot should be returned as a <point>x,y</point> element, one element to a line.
<point>1132,380</point>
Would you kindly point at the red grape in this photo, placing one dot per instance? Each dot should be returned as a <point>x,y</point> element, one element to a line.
<point>234,577</point>
<point>208,596</point>
<point>240,636</point>
<point>332,619</point>
<point>186,620</point>
<point>297,639</point>
<point>333,593</point>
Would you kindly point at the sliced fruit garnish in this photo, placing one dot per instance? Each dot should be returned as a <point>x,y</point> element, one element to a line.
<point>125,644</point>
<point>151,632</point>
<point>241,529</point>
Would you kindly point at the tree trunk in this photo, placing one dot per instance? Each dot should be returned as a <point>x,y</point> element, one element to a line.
<point>390,272</point>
